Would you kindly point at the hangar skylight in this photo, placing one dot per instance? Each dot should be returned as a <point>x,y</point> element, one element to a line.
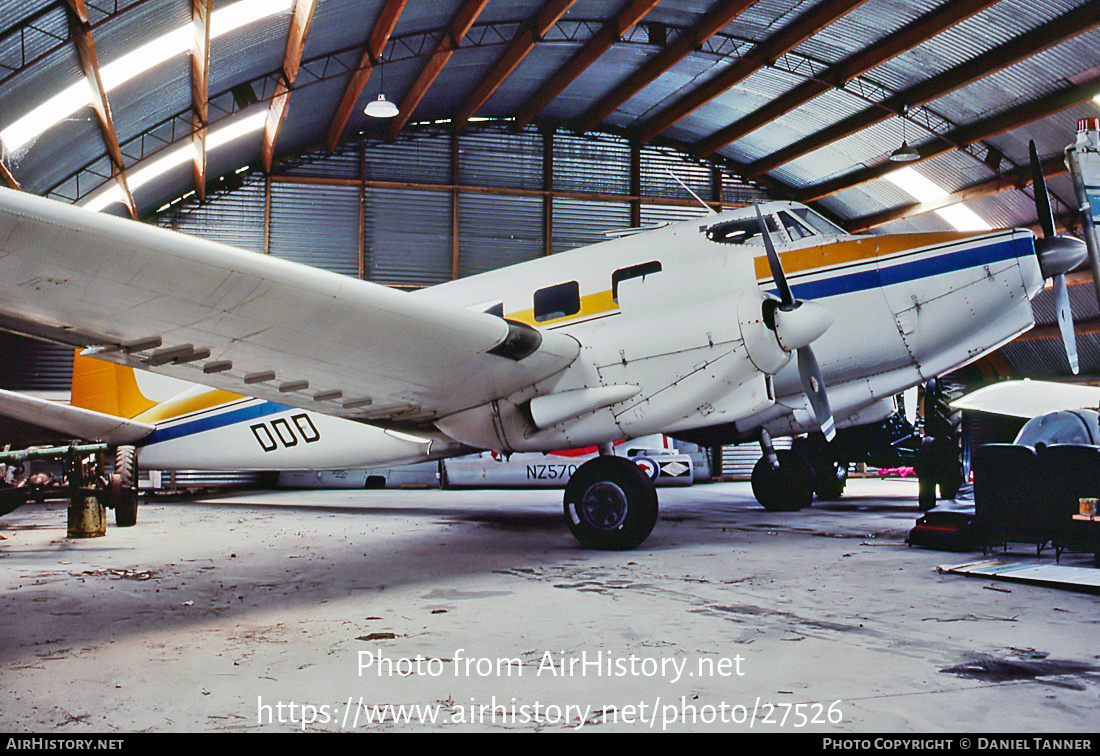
<point>62,105</point>
<point>176,156</point>
<point>924,189</point>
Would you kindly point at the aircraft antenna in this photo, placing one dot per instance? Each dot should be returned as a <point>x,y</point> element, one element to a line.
<point>710,210</point>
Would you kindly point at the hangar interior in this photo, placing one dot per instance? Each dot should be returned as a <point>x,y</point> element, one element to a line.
<point>527,128</point>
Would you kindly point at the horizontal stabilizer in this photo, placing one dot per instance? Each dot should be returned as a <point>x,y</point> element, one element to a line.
<point>72,421</point>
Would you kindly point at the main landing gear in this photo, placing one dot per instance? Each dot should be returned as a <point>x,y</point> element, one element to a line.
<point>610,503</point>
<point>782,480</point>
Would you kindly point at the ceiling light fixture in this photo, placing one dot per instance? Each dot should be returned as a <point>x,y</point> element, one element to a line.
<point>905,153</point>
<point>381,108</point>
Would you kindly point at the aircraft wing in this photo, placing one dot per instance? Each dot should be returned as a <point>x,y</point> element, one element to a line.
<point>1029,398</point>
<point>248,323</point>
<point>72,421</point>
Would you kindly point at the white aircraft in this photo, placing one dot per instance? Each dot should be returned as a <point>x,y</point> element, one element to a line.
<point>707,330</point>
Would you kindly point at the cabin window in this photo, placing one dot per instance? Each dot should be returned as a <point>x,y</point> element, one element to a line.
<point>741,231</point>
<point>818,223</point>
<point>558,301</point>
<point>795,229</point>
<point>634,271</point>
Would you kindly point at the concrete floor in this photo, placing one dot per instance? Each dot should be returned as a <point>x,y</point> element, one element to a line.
<point>283,610</point>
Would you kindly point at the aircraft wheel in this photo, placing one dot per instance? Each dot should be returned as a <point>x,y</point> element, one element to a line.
<point>610,503</point>
<point>788,489</point>
<point>830,479</point>
<point>124,487</point>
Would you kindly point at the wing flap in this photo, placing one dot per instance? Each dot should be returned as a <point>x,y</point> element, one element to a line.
<point>245,322</point>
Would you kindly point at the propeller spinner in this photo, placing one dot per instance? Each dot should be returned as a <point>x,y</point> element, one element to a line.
<point>797,323</point>
<point>1057,255</point>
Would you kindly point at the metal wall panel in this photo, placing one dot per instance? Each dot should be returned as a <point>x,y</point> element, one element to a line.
<point>581,222</point>
<point>591,165</point>
<point>420,157</point>
<point>31,365</point>
<point>407,236</point>
<point>501,159</point>
<point>235,218</point>
<point>316,225</point>
<point>497,230</point>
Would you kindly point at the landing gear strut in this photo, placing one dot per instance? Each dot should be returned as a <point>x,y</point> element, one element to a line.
<point>610,503</point>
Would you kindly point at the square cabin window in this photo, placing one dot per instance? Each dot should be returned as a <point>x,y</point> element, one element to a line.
<point>558,301</point>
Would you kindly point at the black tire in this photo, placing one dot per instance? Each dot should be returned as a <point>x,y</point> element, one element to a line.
<point>830,479</point>
<point>124,487</point>
<point>788,489</point>
<point>610,503</point>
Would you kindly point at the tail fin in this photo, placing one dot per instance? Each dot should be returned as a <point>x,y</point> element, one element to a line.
<point>108,388</point>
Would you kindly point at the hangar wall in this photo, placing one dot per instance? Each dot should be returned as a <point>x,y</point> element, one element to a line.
<point>434,206</point>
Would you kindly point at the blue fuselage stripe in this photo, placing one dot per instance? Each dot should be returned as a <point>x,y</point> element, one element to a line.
<point>211,422</point>
<point>934,265</point>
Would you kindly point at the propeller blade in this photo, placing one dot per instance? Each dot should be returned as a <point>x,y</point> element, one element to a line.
<point>780,278</point>
<point>814,388</point>
<point>1039,189</point>
<point>1065,321</point>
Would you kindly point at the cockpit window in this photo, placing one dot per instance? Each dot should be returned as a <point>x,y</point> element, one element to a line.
<point>634,271</point>
<point>818,223</point>
<point>742,231</point>
<point>795,230</point>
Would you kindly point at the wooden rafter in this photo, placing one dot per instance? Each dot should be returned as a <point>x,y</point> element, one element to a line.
<point>1072,24</point>
<point>456,32</point>
<point>9,179</point>
<point>85,46</point>
<point>596,46</point>
<point>713,22</point>
<point>936,21</point>
<point>79,10</point>
<point>961,137</point>
<point>1016,179</point>
<point>200,88</point>
<point>292,60</point>
<point>524,41</point>
<point>372,53</point>
<point>763,54</point>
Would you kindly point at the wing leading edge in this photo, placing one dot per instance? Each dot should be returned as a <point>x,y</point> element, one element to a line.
<point>143,296</point>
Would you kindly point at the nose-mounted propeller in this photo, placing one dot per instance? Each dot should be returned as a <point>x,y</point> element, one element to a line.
<point>797,323</point>
<point>1057,255</point>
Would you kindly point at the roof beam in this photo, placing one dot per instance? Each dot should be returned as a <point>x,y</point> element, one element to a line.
<point>962,137</point>
<point>371,55</point>
<point>1069,25</point>
<point>909,36</point>
<point>200,88</point>
<point>85,46</point>
<point>762,54</point>
<point>523,43</point>
<point>596,46</point>
<point>292,60</point>
<point>1016,179</point>
<point>464,19</point>
<point>79,10</point>
<point>719,16</point>
<point>9,179</point>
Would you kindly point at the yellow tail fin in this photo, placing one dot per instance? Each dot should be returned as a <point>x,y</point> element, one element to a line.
<point>108,388</point>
